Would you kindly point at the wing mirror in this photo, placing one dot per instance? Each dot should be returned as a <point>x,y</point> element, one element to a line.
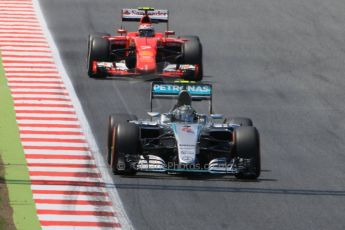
<point>121,31</point>
<point>154,114</point>
<point>169,32</point>
<point>217,116</point>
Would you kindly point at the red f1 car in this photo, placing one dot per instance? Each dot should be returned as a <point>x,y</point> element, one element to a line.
<point>145,52</point>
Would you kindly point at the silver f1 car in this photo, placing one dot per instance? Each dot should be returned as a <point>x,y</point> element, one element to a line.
<point>183,140</point>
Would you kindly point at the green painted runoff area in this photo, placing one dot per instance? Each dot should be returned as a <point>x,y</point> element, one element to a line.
<point>16,170</point>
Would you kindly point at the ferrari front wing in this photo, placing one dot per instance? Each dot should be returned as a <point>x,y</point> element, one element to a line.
<point>119,69</point>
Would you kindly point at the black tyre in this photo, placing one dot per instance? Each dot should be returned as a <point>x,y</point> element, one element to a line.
<point>131,61</point>
<point>247,147</point>
<point>242,121</point>
<point>192,54</point>
<point>125,145</point>
<point>98,50</point>
<point>91,37</point>
<point>97,35</point>
<point>113,121</point>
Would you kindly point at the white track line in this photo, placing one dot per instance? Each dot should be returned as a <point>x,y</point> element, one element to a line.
<point>19,23</point>
<point>62,178</point>
<point>26,49</point>
<point>47,96</point>
<point>70,197</point>
<point>77,218</point>
<point>23,38</point>
<point>21,16</point>
<point>46,137</point>
<point>55,152</point>
<point>28,65</point>
<point>52,129</point>
<point>6,54</point>
<point>41,102</point>
<point>41,74</point>
<point>31,28</point>
<point>44,109</point>
<point>80,137</point>
<point>16,3</point>
<point>20,36</point>
<point>52,116</point>
<point>17,10</point>
<point>48,144</point>
<point>79,228</point>
<point>64,188</point>
<point>24,44</point>
<point>11,12</point>
<point>74,207</point>
<point>48,122</point>
<point>11,84</point>
<point>65,161</point>
<point>11,19</point>
<point>61,169</point>
<point>39,90</point>
<point>32,58</point>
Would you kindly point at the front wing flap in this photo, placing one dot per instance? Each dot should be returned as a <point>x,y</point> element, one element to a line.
<point>119,69</point>
<point>152,163</point>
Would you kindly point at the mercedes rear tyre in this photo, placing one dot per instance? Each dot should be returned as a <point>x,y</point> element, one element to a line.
<point>125,148</point>
<point>242,121</point>
<point>98,50</point>
<point>247,147</point>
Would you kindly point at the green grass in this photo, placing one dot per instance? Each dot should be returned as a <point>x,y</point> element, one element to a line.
<point>16,171</point>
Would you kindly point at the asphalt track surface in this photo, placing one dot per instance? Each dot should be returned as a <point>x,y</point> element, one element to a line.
<point>282,63</point>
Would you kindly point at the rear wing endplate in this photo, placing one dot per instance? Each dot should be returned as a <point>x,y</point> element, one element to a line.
<point>134,15</point>
<point>171,90</point>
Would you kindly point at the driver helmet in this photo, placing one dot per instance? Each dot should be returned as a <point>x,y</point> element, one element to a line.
<point>146,30</point>
<point>184,113</point>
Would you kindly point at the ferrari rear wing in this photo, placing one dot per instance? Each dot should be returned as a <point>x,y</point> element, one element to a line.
<point>134,15</point>
<point>171,90</point>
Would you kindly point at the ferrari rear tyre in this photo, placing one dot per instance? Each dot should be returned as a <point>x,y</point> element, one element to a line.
<point>98,50</point>
<point>192,54</point>
<point>247,147</point>
<point>113,121</point>
<point>125,148</point>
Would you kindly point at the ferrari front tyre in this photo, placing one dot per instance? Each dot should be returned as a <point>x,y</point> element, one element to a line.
<point>91,37</point>
<point>113,121</point>
<point>97,35</point>
<point>125,148</point>
<point>247,150</point>
<point>98,50</point>
<point>131,61</point>
<point>192,54</point>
